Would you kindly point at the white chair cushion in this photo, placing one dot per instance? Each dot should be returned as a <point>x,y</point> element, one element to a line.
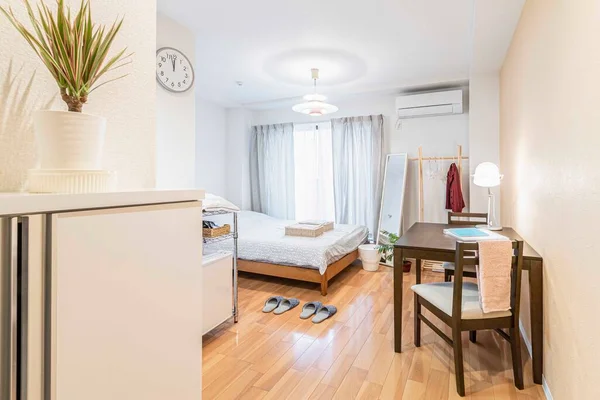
<point>466,268</point>
<point>440,295</point>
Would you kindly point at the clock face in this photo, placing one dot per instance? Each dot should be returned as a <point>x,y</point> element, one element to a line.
<point>173,70</point>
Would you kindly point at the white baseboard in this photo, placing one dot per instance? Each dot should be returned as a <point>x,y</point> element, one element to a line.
<point>546,389</point>
<point>527,342</point>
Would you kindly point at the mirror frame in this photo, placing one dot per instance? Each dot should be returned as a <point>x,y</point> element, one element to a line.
<point>387,159</point>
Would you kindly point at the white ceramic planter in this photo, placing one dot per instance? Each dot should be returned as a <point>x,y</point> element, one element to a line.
<point>69,140</point>
<point>71,181</point>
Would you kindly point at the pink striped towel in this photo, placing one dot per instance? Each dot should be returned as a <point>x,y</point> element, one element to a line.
<point>493,275</point>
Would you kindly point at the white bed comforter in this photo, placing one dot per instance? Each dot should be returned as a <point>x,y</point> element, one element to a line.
<point>262,238</point>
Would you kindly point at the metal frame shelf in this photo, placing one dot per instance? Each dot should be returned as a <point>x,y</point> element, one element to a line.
<point>218,238</point>
<point>233,235</point>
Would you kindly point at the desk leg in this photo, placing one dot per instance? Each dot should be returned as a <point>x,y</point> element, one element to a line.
<point>417,309</point>
<point>398,278</point>
<point>536,304</point>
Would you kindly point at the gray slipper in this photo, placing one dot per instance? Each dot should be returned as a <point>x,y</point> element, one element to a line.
<point>324,313</point>
<point>272,303</point>
<point>286,305</point>
<point>310,308</point>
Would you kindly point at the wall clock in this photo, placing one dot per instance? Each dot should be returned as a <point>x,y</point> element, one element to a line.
<point>173,70</point>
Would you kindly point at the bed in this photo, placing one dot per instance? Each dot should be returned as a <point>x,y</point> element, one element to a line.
<point>263,248</point>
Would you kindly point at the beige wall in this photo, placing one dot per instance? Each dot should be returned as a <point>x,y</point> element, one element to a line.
<point>550,144</point>
<point>128,104</point>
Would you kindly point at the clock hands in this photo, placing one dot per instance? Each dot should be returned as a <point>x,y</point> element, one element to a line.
<point>178,81</point>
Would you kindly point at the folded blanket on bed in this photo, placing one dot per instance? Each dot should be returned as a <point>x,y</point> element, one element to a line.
<point>327,225</point>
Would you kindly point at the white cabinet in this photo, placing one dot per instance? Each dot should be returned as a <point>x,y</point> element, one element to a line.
<point>125,304</point>
<point>101,298</point>
<point>218,289</point>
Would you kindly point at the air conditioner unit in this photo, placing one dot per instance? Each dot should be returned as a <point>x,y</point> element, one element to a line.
<point>430,104</point>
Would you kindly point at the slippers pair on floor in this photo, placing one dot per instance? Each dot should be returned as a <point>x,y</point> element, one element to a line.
<point>320,312</point>
<point>279,305</point>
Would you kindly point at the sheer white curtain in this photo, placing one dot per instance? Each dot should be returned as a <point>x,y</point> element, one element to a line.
<point>357,169</point>
<point>272,170</point>
<point>314,172</point>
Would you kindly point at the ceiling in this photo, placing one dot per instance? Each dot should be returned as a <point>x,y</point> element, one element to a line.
<point>359,46</point>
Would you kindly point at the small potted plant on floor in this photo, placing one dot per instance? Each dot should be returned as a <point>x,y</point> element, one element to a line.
<point>387,249</point>
<point>76,53</point>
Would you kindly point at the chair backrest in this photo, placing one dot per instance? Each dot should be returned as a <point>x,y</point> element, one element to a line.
<point>466,254</point>
<point>456,218</point>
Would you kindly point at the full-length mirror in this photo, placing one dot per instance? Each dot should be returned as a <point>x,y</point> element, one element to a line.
<point>392,199</point>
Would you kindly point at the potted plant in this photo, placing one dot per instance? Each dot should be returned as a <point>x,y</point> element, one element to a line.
<point>75,52</point>
<point>387,250</point>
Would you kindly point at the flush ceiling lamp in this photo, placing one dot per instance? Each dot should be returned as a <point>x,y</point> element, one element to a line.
<point>314,104</point>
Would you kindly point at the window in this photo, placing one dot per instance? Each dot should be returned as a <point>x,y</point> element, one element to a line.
<point>313,172</point>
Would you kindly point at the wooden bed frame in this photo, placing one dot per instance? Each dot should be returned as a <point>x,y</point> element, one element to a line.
<point>299,273</point>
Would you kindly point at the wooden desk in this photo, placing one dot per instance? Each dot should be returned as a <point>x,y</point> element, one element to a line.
<point>426,241</point>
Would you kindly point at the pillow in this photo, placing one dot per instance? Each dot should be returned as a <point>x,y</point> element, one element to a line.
<point>212,202</point>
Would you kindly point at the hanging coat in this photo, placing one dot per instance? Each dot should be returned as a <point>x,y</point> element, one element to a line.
<point>454,197</point>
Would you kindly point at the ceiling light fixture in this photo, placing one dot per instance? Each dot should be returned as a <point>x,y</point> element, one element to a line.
<point>314,104</point>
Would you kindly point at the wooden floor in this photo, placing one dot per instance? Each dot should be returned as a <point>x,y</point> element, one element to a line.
<point>266,356</point>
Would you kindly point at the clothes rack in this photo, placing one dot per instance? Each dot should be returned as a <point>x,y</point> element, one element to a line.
<point>458,158</point>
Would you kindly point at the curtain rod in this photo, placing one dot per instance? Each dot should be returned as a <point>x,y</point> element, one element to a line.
<point>312,122</point>
<point>436,158</point>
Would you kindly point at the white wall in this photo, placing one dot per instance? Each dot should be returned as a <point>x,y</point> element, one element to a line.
<point>128,104</point>
<point>212,158</point>
<point>439,136</point>
<point>484,138</point>
<point>550,194</point>
<point>175,115</point>
<point>239,122</point>
<point>488,49</point>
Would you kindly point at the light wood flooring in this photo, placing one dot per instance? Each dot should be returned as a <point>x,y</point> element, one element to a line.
<point>266,356</point>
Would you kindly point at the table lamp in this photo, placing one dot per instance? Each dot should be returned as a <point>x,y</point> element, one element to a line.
<point>488,175</point>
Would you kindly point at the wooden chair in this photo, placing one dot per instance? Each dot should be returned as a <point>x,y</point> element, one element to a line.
<point>457,305</point>
<point>455,219</point>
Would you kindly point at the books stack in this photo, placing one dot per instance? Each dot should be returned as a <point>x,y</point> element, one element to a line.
<point>473,234</point>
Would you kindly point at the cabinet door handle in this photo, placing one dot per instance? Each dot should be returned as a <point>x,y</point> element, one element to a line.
<point>10,262</point>
<point>15,232</point>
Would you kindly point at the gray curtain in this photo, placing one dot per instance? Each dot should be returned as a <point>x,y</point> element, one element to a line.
<point>272,170</point>
<point>357,169</point>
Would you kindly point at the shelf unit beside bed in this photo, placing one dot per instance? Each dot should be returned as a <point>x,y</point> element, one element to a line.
<point>233,235</point>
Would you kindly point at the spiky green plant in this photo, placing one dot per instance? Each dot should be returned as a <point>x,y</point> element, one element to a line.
<point>75,50</point>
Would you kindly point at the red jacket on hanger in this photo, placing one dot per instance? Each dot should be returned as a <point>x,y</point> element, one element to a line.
<point>454,197</point>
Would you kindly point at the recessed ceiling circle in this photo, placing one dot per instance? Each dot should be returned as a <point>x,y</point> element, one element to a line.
<point>336,67</point>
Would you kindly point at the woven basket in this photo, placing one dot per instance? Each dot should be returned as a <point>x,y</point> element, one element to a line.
<point>213,233</point>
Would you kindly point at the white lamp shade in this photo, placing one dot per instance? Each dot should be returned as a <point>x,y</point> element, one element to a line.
<point>315,105</point>
<point>487,174</point>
